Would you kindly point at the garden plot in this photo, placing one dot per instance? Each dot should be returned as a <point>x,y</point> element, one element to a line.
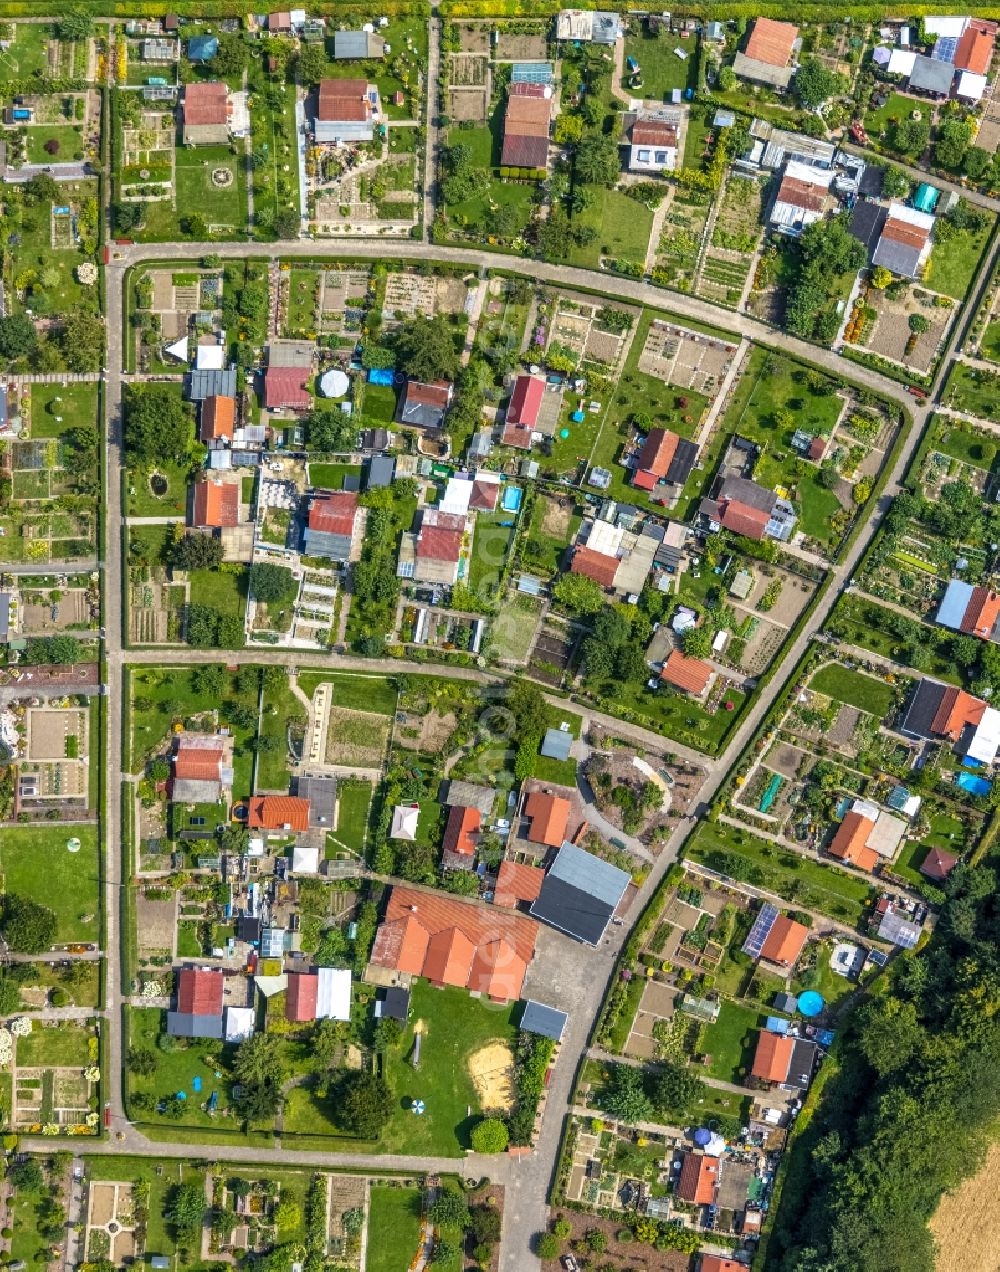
<point>760,632</point>
<point>680,241</point>
<point>147,165</point>
<point>39,526</point>
<point>54,734</point>
<point>413,295</point>
<point>51,1097</point>
<point>657,1004</point>
<point>110,1232</point>
<point>889,334</point>
<point>522,46</point>
<point>342,299</point>
<point>685,358</point>
<point>356,739</point>
<point>155,921</point>
<point>735,238</point>
<point>577,328</point>
<point>156,609</point>
<point>39,618</point>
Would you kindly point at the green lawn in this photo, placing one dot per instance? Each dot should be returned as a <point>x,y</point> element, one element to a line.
<point>281,710</point>
<point>27,56</point>
<point>161,1174</point>
<point>811,884</point>
<point>661,68</point>
<point>989,345</point>
<point>356,691</point>
<point>480,142</point>
<point>854,688</point>
<point>973,391</point>
<point>623,226</point>
<point>35,863</point>
<point>75,403</point>
<point>224,207</point>
<point>175,1072</point>
<point>675,714</point>
<point>961,440</point>
<point>379,403</point>
<point>731,1041</point>
<point>223,590</point>
<point>63,1045</point>
<point>331,476</point>
<point>869,626</point>
<point>489,551</point>
<point>393,1227</point>
<point>455,1027</point>
<point>954,262</point>
<point>68,138</point>
<point>26,1244</point>
<point>354,801</point>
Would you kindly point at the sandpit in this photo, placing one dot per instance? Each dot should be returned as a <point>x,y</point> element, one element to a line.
<point>492,1070</point>
<point>965,1223</point>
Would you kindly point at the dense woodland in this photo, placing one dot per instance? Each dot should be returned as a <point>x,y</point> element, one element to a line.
<point>911,1108</point>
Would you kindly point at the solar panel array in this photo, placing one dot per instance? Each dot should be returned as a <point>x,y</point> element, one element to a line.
<point>758,933</point>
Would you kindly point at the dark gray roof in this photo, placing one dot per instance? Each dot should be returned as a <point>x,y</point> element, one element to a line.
<point>546,1021</point>
<point>182,1024</point>
<point>206,384</point>
<point>393,1003</point>
<point>931,76</point>
<point>580,894</point>
<point>248,928</point>
<point>375,439</point>
<point>4,615</point>
<point>802,1064</point>
<point>743,490</point>
<point>321,792</point>
<point>324,543</point>
<point>682,462</point>
<point>923,708</point>
<point>350,44</point>
<point>901,258</point>
<point>379,472</point>
<point>557,744</point>
<point>867,221</point>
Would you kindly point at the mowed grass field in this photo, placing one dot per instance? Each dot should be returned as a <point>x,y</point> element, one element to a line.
<point>35,863</point>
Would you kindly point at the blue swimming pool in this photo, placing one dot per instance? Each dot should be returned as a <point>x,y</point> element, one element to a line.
<point>974,785</point>
<point>511,500</point>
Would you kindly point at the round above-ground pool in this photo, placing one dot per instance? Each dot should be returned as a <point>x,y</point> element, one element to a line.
<point>810,1003</point>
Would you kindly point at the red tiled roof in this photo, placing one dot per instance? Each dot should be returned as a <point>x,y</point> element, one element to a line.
<point>527,116</point>
<point>850,842</point>
<point>698,1181</point>
<point>436,543</point>
<point>817,448</point>
<point>714,1263</point>
<point>199,992</point>
<point>938,864</point>
<point>549,816</point>
<point>771,41</point>
<point>521,150</point>
<point>341,100</point>
<point>279,21</point>
<point>690,674</point>
<point>197,762</point>
<point>301,996</point>
<point>218,417</point>
<point>643,479</point>
<point>484,495</point>
<point>518,435</point>
<point>784,941</point>
<point>436,394</point>
<point>656,452</point>
<point>527,90</point>
<point>742,519</point>
<point>652,132</point>
<point>517,882</point>
<point>899,231</point>
<point>216,504</point>
<point>801,194</point>
<point>206,104</point>
<point>981,613</point>
<point>974,52</point>
<point>525,400</point>
<point>773,1056</point>
<point>460,831</point>
<point>595,565</point>
<point>455,942</point>
<point>956,710</point>
<point>275,812</point>
<point>286,386</point>
<point>333,512</point>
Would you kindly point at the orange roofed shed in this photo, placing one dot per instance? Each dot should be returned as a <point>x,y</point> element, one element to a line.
<point>784,942</point>
<point>549,816</point>
<point>850,842</point>
<point>773,1056</point>
<point>698,1181</point>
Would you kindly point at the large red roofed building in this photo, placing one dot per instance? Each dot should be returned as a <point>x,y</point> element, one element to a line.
<point>285,389</point>
<point>199,991</point>
<point>525,401</point>
<point>205,114</point>
<point>974,52</point>
<point>773,1056</point>
<point>742,519</point>
<point>698,1182</point>
<point>772,42</point>
<point>690,675</point>
<point>454,942</point>
<point>784,942</point>
<point>218,418</point>
<point>301,996</point>
<point>549,816</point>
<point>199,757</point>
<point>278,812</point>
<point>850,842</point>
<point>594,565</point>
<point>216,504</point>
<point>330,529</point>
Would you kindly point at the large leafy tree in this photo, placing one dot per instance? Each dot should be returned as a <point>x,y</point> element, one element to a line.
<point>17,336</point>
<point>158,425</point>
<point>425,349</point>
<point>28,928</point>
<point>366,1104</point>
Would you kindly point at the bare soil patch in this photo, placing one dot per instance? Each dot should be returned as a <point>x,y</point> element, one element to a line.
<point>966,1222</point>
<point>556,519</point>
<point>492,1069</point>
<point>429,732</point>
<point>357,739</point>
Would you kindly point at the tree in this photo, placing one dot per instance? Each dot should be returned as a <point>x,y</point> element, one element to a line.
<point>444,1252</point>
<point>698,641</point>
<point>273,584</point>
<point>185,1208</point>
<point>367,1104</point>
<point>141,1061</point>
<point>912,135</point>
<point>197,551</point>
<point>42,188</point>
<point>287,1215</point>
<point>126,217</point>
<point>626,1099</point>
<point>449,1210</point>
<point>158,425</point>
<point>10,995</point>
<point>727,79</point>
<point>287,223</point>
<point>918,324</point>
<point>194,225</point>
<point>579,594</point>
<point>484,1224</point>
<point>569,129</point>
<point>952,143</point>
<point>208,681</point>
<point>330,431</point>
<point>259,1059</point>
<point>311,63</point>
<point>425,349</point>
<point>547,1245</point>
<point>82,340</point>
<point>18,338</point>
<point>74,25</point>
<point>597,161</point>
<point>489,1136</point>
<point>813,84</point>
<point>895,183</point>
<point>26,1174</point>
<point>880,277</point>
<point>231,57</point>
<point>28,928</point>
<point>675,1088</point>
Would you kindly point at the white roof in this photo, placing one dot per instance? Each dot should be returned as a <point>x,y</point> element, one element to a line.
<point>239,1023</point>
<point>179,349</point>
<point>986,741</point>
<point>210,357</point>
<point>404,822</point>
<point>886,835</point>
<point>865,808</point>
<point>334,384</point>
<point>305,860</point>
<point>333,994</point>
<point>456,496</point>
<point>901,62</point>
<point>900,212</point>
<point>719,643</point>
<point>945,26</point>
<point>271,985</point>
<point>605,538</point>
<point>971,86</point>
<point>684,619</point>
